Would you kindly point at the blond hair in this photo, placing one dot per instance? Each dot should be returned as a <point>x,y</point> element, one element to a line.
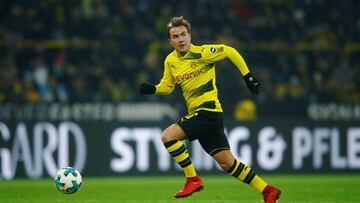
<point>178,21</point>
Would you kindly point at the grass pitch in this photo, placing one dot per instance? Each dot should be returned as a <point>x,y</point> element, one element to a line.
<point>218,189</point>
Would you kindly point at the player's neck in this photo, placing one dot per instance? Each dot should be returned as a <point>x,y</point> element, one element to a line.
<point>181,54</point>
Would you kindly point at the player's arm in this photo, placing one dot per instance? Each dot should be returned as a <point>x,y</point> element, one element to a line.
<point>251,82</point>
<point>166,85</point>
<point>214,53</point>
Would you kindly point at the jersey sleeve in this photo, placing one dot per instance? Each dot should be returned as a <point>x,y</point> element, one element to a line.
<point>214,53</point>
<point>167,83</point>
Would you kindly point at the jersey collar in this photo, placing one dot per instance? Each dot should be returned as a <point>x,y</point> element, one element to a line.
<point>193,53</point>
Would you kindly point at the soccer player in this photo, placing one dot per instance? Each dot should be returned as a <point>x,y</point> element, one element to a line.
<point>193,69</point>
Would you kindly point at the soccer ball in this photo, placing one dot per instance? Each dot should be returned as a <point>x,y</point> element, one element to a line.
<point>68,180</point>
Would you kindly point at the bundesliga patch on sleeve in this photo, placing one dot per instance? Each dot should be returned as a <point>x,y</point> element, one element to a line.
<point>213,50</point>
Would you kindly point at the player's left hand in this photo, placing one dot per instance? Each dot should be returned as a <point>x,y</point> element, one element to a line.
<point>252,83</point>
<point>147,88</point>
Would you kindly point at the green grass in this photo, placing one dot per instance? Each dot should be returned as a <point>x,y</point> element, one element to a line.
<point>218,189</point>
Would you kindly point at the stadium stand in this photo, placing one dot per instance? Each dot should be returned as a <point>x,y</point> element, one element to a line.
<point>99,51</point>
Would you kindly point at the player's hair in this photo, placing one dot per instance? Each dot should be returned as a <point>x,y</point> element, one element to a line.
<point>178,21</point>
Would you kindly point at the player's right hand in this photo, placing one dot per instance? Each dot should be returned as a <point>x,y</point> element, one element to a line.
<point>147,88</point>
<point>252,83</point>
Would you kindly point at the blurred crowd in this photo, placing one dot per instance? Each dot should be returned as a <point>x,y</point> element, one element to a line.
<point>100,50</point>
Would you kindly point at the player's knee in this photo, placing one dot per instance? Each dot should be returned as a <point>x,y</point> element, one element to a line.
<point>164,139</point>
<point>225,165</point>
<point>172,133</point>
<point>225,159</point>
<point>166,136</point>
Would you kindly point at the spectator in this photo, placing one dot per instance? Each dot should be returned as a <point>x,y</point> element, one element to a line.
<point>77,51</point>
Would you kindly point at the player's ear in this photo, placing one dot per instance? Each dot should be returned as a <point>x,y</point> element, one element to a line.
<point>170,42</point>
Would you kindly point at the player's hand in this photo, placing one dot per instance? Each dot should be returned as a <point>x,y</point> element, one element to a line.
<point>147,88</point>
<point>252,83</point>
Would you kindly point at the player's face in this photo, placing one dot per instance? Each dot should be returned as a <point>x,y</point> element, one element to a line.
<point>180,39</point>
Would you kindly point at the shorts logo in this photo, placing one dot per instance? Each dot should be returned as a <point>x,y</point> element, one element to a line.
<point>213,50</point>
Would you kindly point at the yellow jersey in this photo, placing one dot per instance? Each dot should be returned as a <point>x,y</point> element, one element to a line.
<point>195,74</point>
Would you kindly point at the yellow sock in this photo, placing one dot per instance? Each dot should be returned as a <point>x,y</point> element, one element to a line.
<point>180,154</point>
<point>247,175</point>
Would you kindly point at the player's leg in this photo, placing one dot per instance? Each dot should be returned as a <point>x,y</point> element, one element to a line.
<point>245,174</point>
<point>215,143</point>
<point>239,170</point>
<point>171,138</point>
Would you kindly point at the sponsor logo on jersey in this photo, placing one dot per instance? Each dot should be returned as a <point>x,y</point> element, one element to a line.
<point>190,75</point>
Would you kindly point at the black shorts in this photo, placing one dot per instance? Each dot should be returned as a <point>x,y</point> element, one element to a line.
<point>208,128</point>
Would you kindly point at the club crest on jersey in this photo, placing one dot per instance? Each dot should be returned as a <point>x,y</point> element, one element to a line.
<point>193,65</point>
<point>213,50</point>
